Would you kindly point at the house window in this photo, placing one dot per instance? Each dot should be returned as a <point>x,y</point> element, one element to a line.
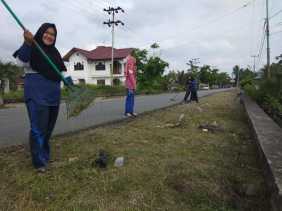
<point>78,66</point>
<point>117,68</point>
<point>101,82</point>
<point>100,66</point>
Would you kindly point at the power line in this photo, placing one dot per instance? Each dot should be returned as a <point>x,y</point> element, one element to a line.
<point>277,32</point>
<point>260,50</point>
<point>252,28</point>
<point>220,18</point>
<point>275,14</point>
<point>81,8</point>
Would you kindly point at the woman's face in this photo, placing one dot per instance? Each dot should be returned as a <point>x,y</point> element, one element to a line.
<point>49,36</point>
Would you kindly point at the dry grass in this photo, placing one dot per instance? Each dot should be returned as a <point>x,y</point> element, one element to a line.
<point>171,169</point>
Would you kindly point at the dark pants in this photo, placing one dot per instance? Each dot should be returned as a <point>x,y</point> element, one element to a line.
<point>42,122</point>
<point>194,96</point>
<point>129,103</point>
<point>187,95</point>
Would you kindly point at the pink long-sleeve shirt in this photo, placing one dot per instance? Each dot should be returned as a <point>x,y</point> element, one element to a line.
<point>130,73</point>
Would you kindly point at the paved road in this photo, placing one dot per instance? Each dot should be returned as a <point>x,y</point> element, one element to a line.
<point>14,125</point>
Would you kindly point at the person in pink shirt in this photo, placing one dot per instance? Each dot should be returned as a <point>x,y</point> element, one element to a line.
<point>130,83</point>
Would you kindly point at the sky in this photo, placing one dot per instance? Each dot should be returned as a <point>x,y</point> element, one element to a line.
<point>221,33</point>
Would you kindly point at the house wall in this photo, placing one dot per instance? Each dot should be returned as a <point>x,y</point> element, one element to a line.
<point>89,74</point>
<point>77,74</point>
<point>6,84</point>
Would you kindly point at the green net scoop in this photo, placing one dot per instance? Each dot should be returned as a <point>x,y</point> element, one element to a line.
<point>78,99</point>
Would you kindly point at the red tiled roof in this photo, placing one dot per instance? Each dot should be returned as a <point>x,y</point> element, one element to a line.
<point>100,53</point>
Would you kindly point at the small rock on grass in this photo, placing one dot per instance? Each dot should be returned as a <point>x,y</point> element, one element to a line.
<point>119,162</point>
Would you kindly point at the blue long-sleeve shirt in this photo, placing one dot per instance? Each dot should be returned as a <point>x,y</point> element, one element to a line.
<point>23,53</point>
<point>36,86</point>
<point>193,85</point>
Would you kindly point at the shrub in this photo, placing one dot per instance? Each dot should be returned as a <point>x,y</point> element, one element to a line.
<point>14,97</point>
<point>251,91</point>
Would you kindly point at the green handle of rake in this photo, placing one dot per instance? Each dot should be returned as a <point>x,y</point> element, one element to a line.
<point>55,68</point>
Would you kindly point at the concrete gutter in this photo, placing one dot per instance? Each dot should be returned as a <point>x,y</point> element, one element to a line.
<point>268,137</point>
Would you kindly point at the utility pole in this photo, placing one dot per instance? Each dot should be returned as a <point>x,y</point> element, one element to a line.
<point>112,23</point>
<point>254,67</point>
<point>267,41</point>
<point>238,78</point>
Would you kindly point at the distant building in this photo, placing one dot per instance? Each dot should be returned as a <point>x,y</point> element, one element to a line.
<point>93,67</point>
<point>5,85</point>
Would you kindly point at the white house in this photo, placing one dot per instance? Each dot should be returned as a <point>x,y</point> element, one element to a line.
<point>93,67</point>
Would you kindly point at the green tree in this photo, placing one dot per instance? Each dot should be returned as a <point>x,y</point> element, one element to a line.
<point>205,74</point>
<point>153,72</point>
<point>273,86</point>
<point>244,74</point>
<point>223,79</point>
<point>210,76</point>
<point>155,45</point>
<point>141,60</point>
<point>150,70</point>
<point>236,73</point>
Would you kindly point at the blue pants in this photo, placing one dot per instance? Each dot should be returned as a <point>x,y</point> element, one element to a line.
<point>194,96</point>
<point>129,103</point>
<point>42,122</point>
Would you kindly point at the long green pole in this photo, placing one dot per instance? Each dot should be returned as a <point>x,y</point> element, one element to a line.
<point>55,68</point>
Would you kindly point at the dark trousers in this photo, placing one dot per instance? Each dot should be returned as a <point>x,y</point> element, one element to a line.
<point>187,95</point>
<point>194,96</point>
<point>42,122</point>
<point>129,102</point>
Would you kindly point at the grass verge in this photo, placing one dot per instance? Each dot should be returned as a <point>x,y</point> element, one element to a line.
<point>169,168</point>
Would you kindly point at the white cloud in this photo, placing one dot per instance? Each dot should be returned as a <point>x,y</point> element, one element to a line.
<point>213,30</point>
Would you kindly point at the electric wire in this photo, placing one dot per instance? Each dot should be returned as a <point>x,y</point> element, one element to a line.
<point>275,14</point>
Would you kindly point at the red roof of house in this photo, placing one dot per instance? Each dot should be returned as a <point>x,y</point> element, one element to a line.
<point>100,53</point>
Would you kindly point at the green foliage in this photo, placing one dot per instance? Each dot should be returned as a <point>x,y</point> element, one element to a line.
<point>273,107</point>
<point>213,77</point>
<point>245,75</point>
<point>205,75</point>
<point>268,91</point>
<point>251,91</point>
<point>14,97</point>
<point>155,45</point>
<point>150,70</point>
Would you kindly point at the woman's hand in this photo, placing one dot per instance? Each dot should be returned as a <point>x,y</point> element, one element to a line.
<point>28,37</point>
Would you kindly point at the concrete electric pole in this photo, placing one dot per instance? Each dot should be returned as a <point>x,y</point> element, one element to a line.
<point>112,23</point>
<point>267,41</point>
<point>254,67</point>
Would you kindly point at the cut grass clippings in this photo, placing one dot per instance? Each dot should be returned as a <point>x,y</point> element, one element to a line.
<point>175,169</point>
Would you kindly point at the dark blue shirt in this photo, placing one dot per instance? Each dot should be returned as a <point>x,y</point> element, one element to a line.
<point>193,85</point>
<point>36,86</point>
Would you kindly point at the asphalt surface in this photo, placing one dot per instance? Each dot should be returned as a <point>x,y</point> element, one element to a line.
<point>14,123</point>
